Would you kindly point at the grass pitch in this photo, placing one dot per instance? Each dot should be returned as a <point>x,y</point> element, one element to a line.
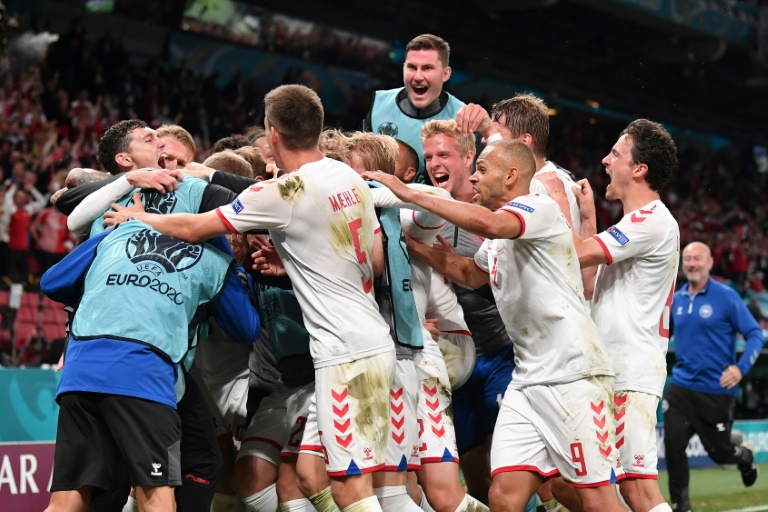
<point>720,489</point>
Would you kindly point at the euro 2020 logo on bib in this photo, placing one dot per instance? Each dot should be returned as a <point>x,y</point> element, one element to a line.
<point>389,129</point>
<point>705,311</point>
<point>155,202</point>
<point>168,253</point>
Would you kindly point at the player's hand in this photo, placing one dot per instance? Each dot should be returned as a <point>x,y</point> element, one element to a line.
<point>431,325</point>
<point>274,171</point>
<point>474,118</point>
<point>444,245</point>
<point>731,377</point>
<point>123,213</point>
<point>397,187</point>
<point>56,195</point>
<point>268,262</point>
<point>586,199</point>
<point>161,180</point>
<point>60,364</point>
<point>197,170</point>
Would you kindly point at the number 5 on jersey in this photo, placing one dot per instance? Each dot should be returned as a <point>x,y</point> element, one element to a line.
<point>362,256</point>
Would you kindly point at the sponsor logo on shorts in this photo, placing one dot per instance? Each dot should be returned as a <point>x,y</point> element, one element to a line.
<point>156,469</point>
<point>368,453</point>
<point>639,461</point>
<point>237,206</point>
<point>520,206</point>
<point>618,235</point>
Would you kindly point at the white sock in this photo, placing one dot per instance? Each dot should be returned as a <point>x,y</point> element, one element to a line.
<point>369,504</point>
<point>227,503</point>
<point>131,505</point>
<point>661,507</point>
<point>424,505</point>
<point>323,501</point>
<point>552,506</point>
<point>470,503</point>
<point>300,505</point>
<point>263,501</point>
<point>395,499</point>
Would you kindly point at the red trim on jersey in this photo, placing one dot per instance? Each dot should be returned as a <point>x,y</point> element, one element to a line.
<point>605,248</point>
<point>377,230</point>
<point>589,486</point>
<point>429,460</point>
<point>481,268</point>
<point>289,455</point>
<point>640,476</point>
<point>378,467</point>
<point>311,448</point>
<point>413,216</point>
<point>522,221</point>
<point>465,333</point>
<point>532,469</point>
<point>262,440</point>
<point>225,221</point>
<point>393,469</point>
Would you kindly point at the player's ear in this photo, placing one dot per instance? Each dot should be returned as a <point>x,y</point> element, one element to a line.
<point>123,160</point>
<point>409,174</point>
<point>446,74</point>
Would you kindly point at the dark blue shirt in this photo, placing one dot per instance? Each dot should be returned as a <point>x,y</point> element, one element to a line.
<point>705,329</point>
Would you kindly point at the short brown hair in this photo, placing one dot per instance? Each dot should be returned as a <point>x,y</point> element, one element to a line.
<point>377,152</point>
<point>653,146</point>
<point>463,143</point>
<point>180,134</point>
<point>253,157</point>
<point>431,42</point>
<point>296,113</point>
<point>231,162</point>
<point>525,113</point>
<point>334,144</point>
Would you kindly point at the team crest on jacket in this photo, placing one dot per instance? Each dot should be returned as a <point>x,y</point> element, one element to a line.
<point>389,129</point>
<point>151,249</point>
<point>155,202</point>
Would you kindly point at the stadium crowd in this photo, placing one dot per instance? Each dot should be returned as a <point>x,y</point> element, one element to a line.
<point>61,113</point>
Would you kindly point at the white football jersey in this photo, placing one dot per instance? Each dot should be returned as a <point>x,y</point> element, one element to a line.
<point>537,286</point>
<point>322,222</point>
<point>633,295</point>
<point>538,187</point>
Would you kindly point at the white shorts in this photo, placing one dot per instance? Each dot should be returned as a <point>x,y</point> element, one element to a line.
<point>634,415</point>
<point>403,442</point>
<point>564,429</point>
<point>458,351</point>
<point>310,441</point>
<point>227,404</point>
<point>436,434</point>
<point>277,427</point>
<point>353,413</point>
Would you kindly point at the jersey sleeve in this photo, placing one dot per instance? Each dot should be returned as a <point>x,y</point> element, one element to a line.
<point>481,257</point>
<point>635,234</point>
<point>536,213</point>
<point>260,206</point>
<point>63,282</point>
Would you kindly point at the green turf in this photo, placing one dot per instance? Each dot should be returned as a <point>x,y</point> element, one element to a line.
<point>720,489</point>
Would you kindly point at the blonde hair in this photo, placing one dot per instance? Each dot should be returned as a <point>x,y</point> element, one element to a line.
<point>252,155</point>
<point>180,134</point>
<point>448,127</point>
<point>377,152</point>
<point>334,144</point>
<point>231,162</point>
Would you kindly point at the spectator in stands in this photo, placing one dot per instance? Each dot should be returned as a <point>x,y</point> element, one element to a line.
<point>700,399</point>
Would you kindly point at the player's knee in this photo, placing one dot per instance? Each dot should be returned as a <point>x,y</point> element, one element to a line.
<point>722,454</point>
<point>629,492</point>
<point>310,482</point>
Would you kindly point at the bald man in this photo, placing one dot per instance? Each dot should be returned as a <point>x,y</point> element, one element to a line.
<point>707,315</point>
<point>561,358</point>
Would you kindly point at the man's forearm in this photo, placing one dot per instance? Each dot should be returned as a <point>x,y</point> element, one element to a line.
<point>190,227</point>
<point>455,267</point>
<point>473,218</point>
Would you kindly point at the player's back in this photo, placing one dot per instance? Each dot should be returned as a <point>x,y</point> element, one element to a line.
<point>327,249</point>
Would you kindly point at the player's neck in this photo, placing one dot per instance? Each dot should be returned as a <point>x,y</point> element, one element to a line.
<point>293,160</point>
<point>637,197</point>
